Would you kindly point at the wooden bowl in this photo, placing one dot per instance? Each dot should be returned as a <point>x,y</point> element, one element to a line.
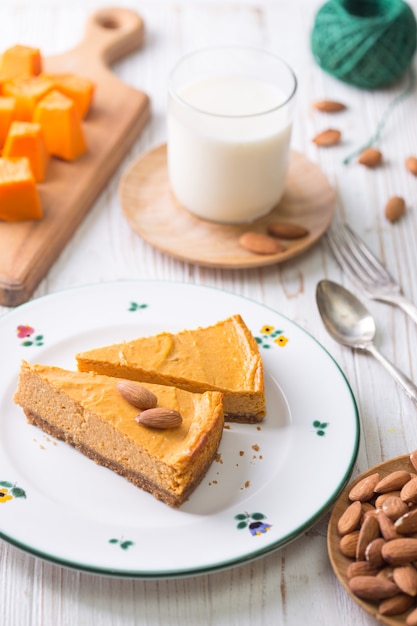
<point>340,562</point>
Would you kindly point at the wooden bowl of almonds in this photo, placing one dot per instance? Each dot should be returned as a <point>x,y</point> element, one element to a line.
<point>372,540</point>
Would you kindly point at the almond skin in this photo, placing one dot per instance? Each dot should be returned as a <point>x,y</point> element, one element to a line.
<point>400,551</point>
<point>387,527</point>
<point>405,578</point>
<point>411,165</point>
<point>395,605</point>
<point>349,543</point>
<point>285,230</point>
<point>394,507</point>
<point>371,157</point>
<point>413,459</point>
<point>159,417</point>
<point>329,106</point>
<point>364,489</point>
<point>135,394</point>
<point>350,518</point>
<point>392,482</point>
<point>259,243</point>
<point>373,552</point>
<point>367,533</point>
<point>372,588</point>
<point>407,523</point>
<point>361,568</point>
<point>409,492</point>
<point>394,208</point>
<point>329,137</point>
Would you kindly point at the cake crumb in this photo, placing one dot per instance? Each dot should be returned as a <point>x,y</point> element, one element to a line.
<point>246,485</point>
<point>255,447</point>
<point>226,427</point>
<point>241,452</point>
<point>218,458</point>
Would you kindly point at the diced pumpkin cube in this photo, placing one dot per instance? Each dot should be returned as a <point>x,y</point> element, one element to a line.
<point>19,197</point>
<point>25,139</point>
<point>27,91</point>
<point>78,88</point>
<point>61,125</point>
<point>7,114</point>
<point>21,60</point>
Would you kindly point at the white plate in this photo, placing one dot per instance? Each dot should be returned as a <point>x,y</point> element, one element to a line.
<point>280,476</point>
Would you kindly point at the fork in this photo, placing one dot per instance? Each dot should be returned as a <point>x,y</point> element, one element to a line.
<point>366,270</point>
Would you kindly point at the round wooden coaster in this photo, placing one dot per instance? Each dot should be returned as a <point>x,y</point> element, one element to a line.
<point>152,211</point>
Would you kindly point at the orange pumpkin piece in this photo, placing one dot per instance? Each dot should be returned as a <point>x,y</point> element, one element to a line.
<point>7,114</point>
<point>25,139</point>
<point>61,125</point>
<point>78,88</point>
<point>21,60</point>
<point>19,198</point>
<point>27,91</point>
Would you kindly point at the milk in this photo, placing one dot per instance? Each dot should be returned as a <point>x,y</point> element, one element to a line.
<point>228,146</point>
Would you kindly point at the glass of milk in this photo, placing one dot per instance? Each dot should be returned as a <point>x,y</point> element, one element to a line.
<point>230,113</point>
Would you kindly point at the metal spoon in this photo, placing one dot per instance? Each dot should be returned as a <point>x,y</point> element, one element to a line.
<point>350,323</point>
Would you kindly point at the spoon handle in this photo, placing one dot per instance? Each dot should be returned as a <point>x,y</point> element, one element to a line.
<point>401,379</point>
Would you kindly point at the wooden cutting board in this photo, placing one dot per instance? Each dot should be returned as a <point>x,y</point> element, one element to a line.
<point>119,112</point>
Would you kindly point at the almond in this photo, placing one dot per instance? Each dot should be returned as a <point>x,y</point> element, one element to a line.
<point>386,526</point>
<point>405,577</point>
<point>350,518</point>
<point>407,523</point>
<point>159,417</point>
<point>411,165</point>
<point>409,491</point>
<point>395,605</point>
<point>286,230</point>
<point>373,552</point>
<point>394,507</point>
<point>400,551</point>
<point>260,243</point>
<point>413,459</point>
<point>135,394</point>
<point>379,501</point>
<point>367,533</point>
<point>348,544</point>
<point>394,208</point>
<point>392,482</point>
<point>329,106</point>
<point>364,489</point>
<point>361,568</point>
<point>372,588</point>
<point>411,619</point>
<point>329,137</point>
<point>371,157</point>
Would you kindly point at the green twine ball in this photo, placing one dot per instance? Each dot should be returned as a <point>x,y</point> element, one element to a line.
<point>366,43</point>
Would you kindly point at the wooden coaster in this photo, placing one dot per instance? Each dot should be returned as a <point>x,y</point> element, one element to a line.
<point>152,211</point>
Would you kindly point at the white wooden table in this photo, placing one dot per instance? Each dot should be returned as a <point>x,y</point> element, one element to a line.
<point>294,585</point>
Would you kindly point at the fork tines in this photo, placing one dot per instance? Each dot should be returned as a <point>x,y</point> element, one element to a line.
<point>356,259</point>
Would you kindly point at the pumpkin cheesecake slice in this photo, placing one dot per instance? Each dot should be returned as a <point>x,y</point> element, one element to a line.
<point>223,357</point>
<point>88,411</point>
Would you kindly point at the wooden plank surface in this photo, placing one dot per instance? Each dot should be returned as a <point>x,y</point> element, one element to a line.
<point>295,585</point>
<point>119,112</point>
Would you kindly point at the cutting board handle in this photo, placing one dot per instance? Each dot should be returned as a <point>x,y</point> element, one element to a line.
<point>111,34</point>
